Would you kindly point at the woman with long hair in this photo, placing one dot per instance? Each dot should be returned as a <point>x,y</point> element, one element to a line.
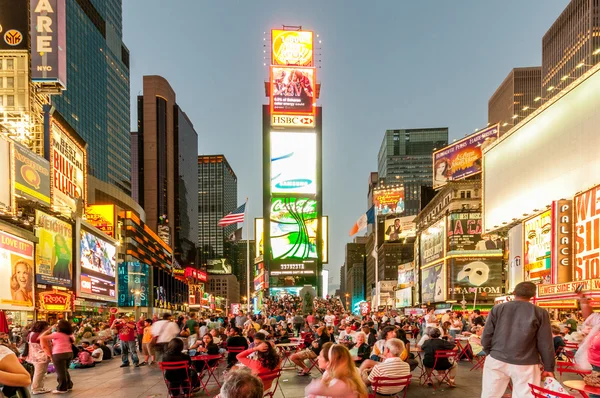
<point>178,378</point>
<point>61,258</point>
<point>61,353</point>
<point>342,379</point>
<point>268,359</point>
<point>21,282</point>
<point>38,357</point>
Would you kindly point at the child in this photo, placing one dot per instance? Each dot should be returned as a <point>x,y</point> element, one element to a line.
<point>146,339</point>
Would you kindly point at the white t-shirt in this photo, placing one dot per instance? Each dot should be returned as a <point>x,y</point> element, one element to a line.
<point>5,351</point>
<point>329,319</point>
<point>97,354</point>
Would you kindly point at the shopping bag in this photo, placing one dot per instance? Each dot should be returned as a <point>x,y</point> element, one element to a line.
<point>550,383</point>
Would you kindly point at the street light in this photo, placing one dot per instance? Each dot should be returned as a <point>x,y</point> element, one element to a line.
<point>347,296</point>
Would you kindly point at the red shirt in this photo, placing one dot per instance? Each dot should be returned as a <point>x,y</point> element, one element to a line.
<point>140,327</point>
<point>126,331</point>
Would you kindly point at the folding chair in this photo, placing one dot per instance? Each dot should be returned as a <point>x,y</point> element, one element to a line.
<point>440,354</point>
<point>569,367</point>
<point>272,376</point>
<point>379,382</point>
<point>569,351</point>
<point>178,389</point>
<point>209,370</point>
<point>479,362</point>
<point>539,392</point>
<point>286,353</point>
<point>314,363</point>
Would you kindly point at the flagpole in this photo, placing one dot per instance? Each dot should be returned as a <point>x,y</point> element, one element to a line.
<point>247,257</point>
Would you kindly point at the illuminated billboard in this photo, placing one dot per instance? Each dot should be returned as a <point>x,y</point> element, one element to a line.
<point>48,41</point>
<point>6,197</point>
<point>587,238</point>
<point>32,175</point>
<point>133,284</point>
<point>54,254</point>
<point>102,217</point>
<point>14,20</point>
<point>433,284</point>
<point>536,248</point>
<point>98,267</point>
<point>432,243</point>
<point>406,275</point>
<point>68,165</point>
<point>293,90</point>
<point>461,159</point>
<point>291,47</point>
<point>293,228</point>
<point>389,201</point>
<point>293,163</point>
<point>470,275</point>
<point>399,228</point>
<point>325,239</point>
<point>259,237</point>
<point>16,273</point>
<point>464,234</point>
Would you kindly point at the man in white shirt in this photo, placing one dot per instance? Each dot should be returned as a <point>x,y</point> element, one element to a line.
<point>398,319</point>
<point>347,336</point>
<point>165,331</point>
<point>97,353</point>
<point>392,366</point>
<point>329,319</point>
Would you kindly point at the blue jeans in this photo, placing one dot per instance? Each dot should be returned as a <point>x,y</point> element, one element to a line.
<point>126,348</point>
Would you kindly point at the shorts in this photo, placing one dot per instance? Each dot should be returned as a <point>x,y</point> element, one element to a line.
<point>146,350</point>
<point>306,354</point>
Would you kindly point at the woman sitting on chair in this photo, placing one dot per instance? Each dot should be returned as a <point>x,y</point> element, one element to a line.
<point>178,378</point>
<point>429,349</point>
<point>268,360</point>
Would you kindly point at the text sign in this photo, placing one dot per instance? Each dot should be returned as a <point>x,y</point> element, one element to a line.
<point>48,42</point>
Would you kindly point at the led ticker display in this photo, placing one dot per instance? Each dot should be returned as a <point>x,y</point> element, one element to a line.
<point>291,47</point>
<point>293,163</point>
<point>293,90</point>
<point>293,228</point>
<point>98,267</point>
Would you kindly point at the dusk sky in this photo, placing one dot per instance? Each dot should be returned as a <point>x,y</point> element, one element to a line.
<point>384,65</point>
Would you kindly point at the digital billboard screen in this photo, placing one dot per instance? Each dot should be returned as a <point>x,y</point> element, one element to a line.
<point>293,163</point>
<point>432,284</point>
<point>432,243</point>
<point>32,175</point>
<point>461,159</point>
<point>54,254</point>
<point>293,227</point>
<point>536,248</point>
<point>293,90</point>
<point>133,284</point>
<point>399,228</point>
<point>587,234</point>
<point>464,234</point>
<point>98,267</point>
<point>389,201</point>
<point>470,275</point>
<point>291,47</point>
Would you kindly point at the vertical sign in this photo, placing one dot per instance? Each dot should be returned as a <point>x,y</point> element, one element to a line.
<point>515,256</point>
<point>562,223</point>
<point>587,235</point>
<point>48,42</point>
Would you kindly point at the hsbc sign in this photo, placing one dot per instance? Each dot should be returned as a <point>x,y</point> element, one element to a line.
<point>292,121</point>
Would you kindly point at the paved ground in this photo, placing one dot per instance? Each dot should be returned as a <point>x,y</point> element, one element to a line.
<point>109,380</point>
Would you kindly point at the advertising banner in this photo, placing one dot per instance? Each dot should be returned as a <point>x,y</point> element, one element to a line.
<point>399,228</point>
<point>308,268</point>
<point>133,284</point>
<point>48,41</point>
<point>55,300</point>
<point>98,269</point>
<point>16,273</point>
<point>293,90</point>
<point>293,227</point>
<point>404,297</point>
<point>68,161</point>
<point>536,250</point>
<point>54,254</point>
<point>433,284</point>
<point>562,240</point>
<point>587,234</point>
<point>406,275</point>
<point>102,217</point>
<point>389,201</point>
<point>461,159</point>
<point>515,256</point>
<point>291,47</point>
<point>5,174</point>
<point>464,234</point>
<point>32,175</point>
<point>293,163</point>
<point>432,243</point>
<point>467,275</point>
<point>14,20</point>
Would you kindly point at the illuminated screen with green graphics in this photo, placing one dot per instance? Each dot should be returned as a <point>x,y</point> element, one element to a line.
<point>293,228</point>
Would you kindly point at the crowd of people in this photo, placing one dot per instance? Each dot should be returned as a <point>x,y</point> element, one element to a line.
<point>518,340</point>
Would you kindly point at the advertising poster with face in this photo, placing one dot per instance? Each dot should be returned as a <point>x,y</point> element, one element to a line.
<point>432,243</point>
<point>54,254</point>
<point>16,272</point>
<point>432,284</point>
<point>399,228</point>
<point>468,275</point>
<point>536,251</point>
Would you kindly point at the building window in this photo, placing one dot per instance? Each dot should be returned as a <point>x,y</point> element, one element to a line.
<point>10,100</point>
<point>10,64</point>
<point>468,194</point>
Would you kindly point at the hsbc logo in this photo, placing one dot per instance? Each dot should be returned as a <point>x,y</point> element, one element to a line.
<point>292,120</point>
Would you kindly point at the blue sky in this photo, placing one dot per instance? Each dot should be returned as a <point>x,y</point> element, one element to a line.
<point>385,64</point>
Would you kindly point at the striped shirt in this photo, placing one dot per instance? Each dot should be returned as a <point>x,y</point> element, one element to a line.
<point>390,367</point>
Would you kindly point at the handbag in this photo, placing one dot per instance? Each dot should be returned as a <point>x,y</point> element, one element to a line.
<point>592,379</point>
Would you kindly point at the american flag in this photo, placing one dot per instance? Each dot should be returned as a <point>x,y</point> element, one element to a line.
<point>234,217</point>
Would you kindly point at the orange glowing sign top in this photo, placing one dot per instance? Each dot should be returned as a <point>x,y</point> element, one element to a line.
<point>291,47</point>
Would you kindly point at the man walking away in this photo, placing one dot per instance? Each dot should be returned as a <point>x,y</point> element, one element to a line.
<point>516,335</point>
<point>162,333</point>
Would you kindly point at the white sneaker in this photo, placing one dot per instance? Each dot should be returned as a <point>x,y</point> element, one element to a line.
<point>59,392</point>
<point>42,391</point>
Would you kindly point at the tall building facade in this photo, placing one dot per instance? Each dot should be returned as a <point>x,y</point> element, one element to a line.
<point>570,45</point>
<point>405,158</point>
<point>96,102</point>
<point>226,286</point>
<point>165,179</point>
<point>217,196</point>
<point>515,96</point>
<point>355,261</point>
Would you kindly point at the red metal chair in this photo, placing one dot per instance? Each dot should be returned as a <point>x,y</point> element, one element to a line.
<point>273,377</point>
<point>379,382</point>
<point>479,362</point>
<point>208,370</point>
<point>440,354</point>
<point>539,392</point>
<point>181,388</point>
<point>286,353</point>
<point>569,367</point>
<point>233,350</point>
<point>314,363</point>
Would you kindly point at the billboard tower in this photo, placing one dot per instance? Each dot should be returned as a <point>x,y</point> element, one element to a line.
<point>294,234</point>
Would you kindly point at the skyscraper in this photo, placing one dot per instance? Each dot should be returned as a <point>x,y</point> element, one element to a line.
<point>217,196</point>
<point>166,176</point>
<point>515,96</point>
<point>405,159</point>
<point>96,102</point>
